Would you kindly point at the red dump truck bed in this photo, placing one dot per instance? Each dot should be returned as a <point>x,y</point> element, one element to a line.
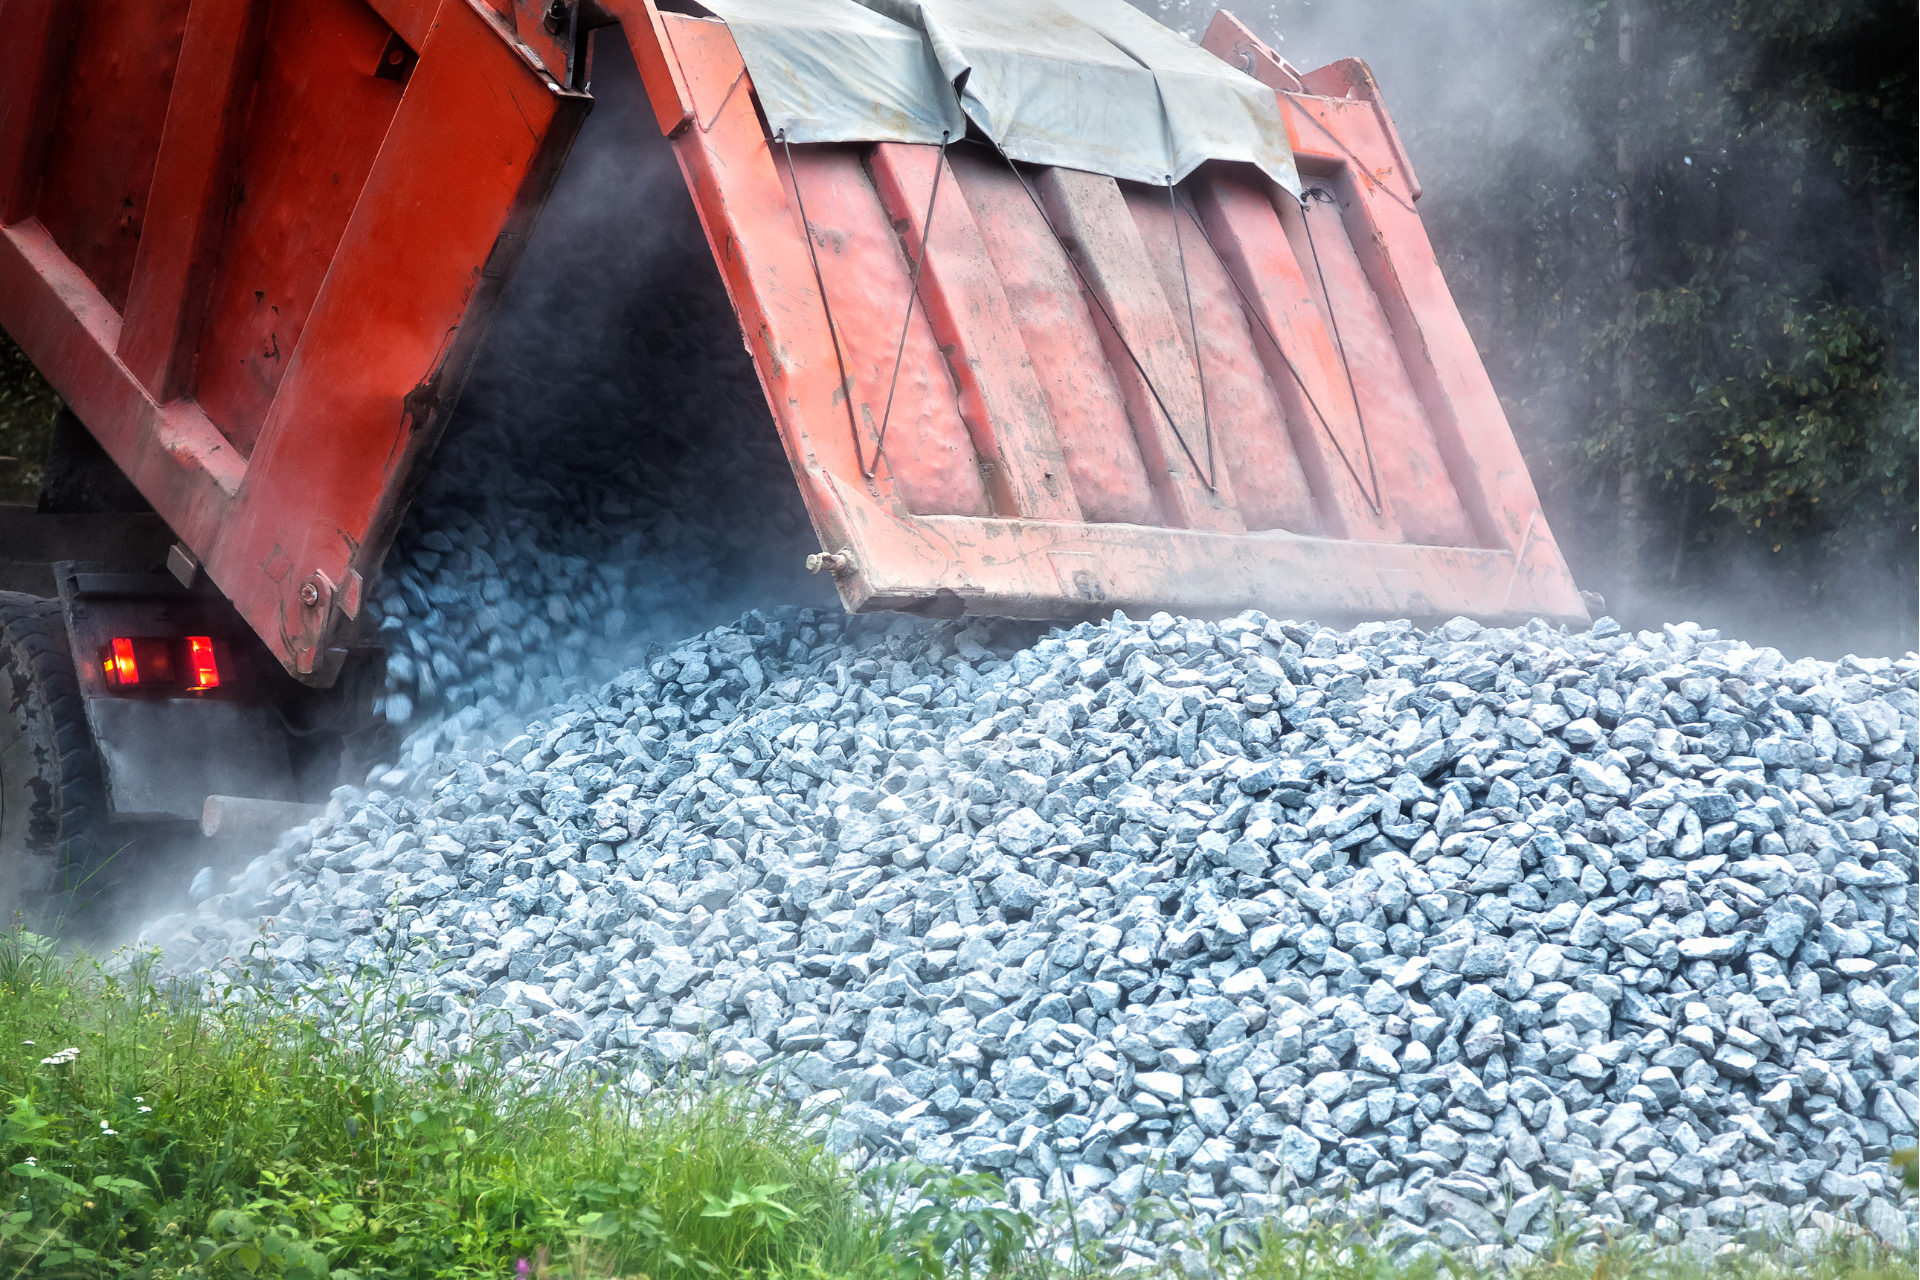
<point>255,244</point>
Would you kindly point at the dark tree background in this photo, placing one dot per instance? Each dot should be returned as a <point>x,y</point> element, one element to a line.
<point>1683,235</point>
<point>27,406</point>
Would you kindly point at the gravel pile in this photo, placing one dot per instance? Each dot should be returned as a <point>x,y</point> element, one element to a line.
<point>1253,914</point>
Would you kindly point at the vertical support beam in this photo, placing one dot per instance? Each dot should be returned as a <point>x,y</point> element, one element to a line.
<point>1305,367</point>
<point>754,229</point>
<point>1092,217</point>
<point>39,34</point>
<point>1000,397</point>
<point>466,164</point>
<point>166,301</point>
<point>653,53</point>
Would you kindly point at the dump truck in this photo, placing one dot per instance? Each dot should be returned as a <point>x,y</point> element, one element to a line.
<point>1055,311</point>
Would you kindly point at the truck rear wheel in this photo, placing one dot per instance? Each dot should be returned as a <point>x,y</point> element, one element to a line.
<point>50,790</point>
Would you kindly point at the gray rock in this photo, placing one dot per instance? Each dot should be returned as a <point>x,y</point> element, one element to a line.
<point>1582,1011</point>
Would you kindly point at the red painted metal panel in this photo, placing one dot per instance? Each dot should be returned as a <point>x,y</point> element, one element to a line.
<point>176,458</point>
<point>113,100</point>
<point>1244,419</point>
<point>1341,464</point>
<point>1137,329</point>
<point>1304,367</point>
<point>1059,340</point>
<point>40,32</point>
<point>1411,481</point>
<point>749,215</point>
<point>660,70</point>
<point>928,450</point>
<point>1444,367</point>
<point>411,20</point>
<point>166,300</point>
<point>389,336</point>
<point>998,394</point>
<point>392,278</point>
<point>318,120</point>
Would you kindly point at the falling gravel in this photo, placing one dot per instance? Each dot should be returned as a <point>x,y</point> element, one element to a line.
<point>1261,916</point>
<point>612,480</point>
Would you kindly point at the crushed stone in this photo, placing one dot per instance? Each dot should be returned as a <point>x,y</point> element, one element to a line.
<point>1258,915</point>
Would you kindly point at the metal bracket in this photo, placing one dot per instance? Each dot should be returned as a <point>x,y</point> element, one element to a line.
<point>396,61</point>
<point>315,596</point>
<point>183,565</point>
<point>838,563</point>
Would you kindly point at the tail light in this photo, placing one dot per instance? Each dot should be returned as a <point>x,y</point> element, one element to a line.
<point>203,671</point>
<point>159,663</point>
<point>122,667</point>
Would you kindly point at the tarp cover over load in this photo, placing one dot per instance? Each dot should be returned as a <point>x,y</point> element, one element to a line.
<point>1093,85</point>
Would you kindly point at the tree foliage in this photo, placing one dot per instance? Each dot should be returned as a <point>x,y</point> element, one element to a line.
<point>27,408</point>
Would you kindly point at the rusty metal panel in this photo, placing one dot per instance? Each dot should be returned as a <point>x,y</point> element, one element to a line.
<point>106,133</point>
<point>1201,401</point>
<point>318,116</point>
<point>343,189</point>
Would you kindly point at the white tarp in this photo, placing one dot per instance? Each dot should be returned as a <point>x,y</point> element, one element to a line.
<point>1214,110</point>
<point>835,71</point>
<point>1085,84</point>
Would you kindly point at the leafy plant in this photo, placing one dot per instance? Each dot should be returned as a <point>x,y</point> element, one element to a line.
<point>27,409</point>
<point>145,1130</point>
<point>947,1223</point>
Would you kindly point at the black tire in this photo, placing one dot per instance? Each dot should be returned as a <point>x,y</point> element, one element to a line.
<point>51,800</point>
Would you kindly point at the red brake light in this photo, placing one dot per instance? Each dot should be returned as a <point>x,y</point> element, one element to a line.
<point>121,668</point>
<point>205,672</point>
<point>154,664</point>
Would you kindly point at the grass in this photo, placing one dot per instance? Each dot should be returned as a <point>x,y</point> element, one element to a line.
<point>144,1134</point>
<point>148,1133</point>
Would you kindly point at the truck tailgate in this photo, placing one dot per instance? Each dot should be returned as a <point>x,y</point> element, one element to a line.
<point>1038,439</point>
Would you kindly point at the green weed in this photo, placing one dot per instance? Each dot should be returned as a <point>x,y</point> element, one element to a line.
<point>147,1134</point>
